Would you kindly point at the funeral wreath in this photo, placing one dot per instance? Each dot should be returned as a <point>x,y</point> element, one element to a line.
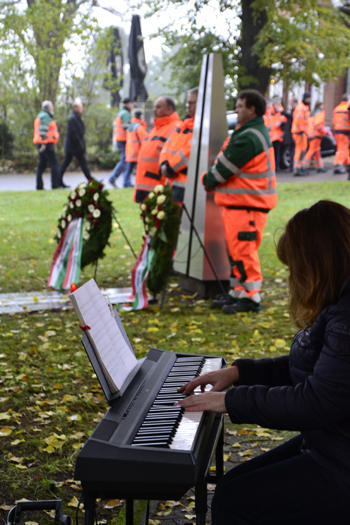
<point>89,201</point>
<point>161,218</point>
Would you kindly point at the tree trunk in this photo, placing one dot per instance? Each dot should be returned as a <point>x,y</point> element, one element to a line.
<point>252,74</point>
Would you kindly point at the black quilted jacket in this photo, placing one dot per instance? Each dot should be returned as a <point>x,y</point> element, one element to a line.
<point>307,390</point>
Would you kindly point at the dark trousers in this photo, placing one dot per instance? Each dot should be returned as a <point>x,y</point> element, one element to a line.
<point>48,157</point>
<point>281,487</point>
<point>82,162</point>
<point>277,148</point>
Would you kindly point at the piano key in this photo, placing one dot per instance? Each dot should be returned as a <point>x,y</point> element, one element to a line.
<point>156,443</point>
<point>187,423</point>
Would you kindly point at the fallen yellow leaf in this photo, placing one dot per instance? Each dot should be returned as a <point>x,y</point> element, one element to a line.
<point>112,503</point>
<point>5,431</point>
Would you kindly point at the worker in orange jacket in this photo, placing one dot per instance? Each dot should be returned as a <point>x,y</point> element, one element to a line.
<point>121,124</point>
<point>341,130</point>
<point>134,136</point>
<point>315,132</point>
<point>45,136</point>
<point>244,182</point>
<point>277,122</point>
<point>147,172</point>
<point>300,125</point>
<point>175,155</point>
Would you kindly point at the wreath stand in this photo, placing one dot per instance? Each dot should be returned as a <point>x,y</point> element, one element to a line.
<point>206,255</point>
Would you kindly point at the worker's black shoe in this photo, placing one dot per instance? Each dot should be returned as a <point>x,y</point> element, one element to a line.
<point>300,172</point>
<point>338,170</point>
<point>322,169</point>
<point>223,300</point>
<point>242,305</point>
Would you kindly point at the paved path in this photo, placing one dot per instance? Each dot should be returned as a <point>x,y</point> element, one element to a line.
<point>26,182</point>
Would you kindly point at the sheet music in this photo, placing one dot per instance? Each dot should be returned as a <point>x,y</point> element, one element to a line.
<point>112,351</point>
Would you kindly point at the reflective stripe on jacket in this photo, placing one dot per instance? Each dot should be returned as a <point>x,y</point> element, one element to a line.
<point>316,125</point>
<point>176,154</point>
<point>135,135</point>
<point>276,121</point>
<point>147,172</point>
<point>300,118</point>
<point>45,129</point>
<point>123,118</point>
<point>341,120</point>
<point>244,175</point>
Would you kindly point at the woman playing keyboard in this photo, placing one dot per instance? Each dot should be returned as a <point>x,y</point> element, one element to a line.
<point>305,481</point>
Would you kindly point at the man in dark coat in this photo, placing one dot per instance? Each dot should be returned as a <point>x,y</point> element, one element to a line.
<point>74,144</point>
<point>287,138</point>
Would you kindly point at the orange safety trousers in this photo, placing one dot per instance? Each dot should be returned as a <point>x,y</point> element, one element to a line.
<point>300,140</point>
<point>342,155</point>
<point>314,153</point>
<point>243,233</point>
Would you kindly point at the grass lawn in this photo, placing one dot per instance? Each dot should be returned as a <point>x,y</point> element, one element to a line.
<point>50,401</point>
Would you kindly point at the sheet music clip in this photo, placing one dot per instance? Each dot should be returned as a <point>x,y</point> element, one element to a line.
<point>84,327</point>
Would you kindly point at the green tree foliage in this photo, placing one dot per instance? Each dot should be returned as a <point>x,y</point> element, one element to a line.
<point>303,40</point>
<point>34,66</point>
<point>42,31</point>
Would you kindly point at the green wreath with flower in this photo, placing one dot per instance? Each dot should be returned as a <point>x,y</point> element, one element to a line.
<point>89,201</point>
<point>161,218</point>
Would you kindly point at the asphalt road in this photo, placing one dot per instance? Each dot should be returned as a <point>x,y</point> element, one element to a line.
<point>26,182</point>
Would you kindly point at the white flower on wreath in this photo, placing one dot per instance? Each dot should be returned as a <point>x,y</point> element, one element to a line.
<point>81,192</point>
<point>158,188</point>
<point>63,224</point>
<point>147,219</point>
<point>58,234</point>
<point>78,203</point>
<point>69,218</point>
<point>65,208</point>
<point>151,195</point>
<point>86,235</point>
<point>96,213</point>
<point>154,211</point>
<point>152,231</point>
<point>96,197</point>
<point>91,208</point>
<point>161,199</point>
<point>160,215</point>
<point>87,226</point>
<point>143,207</point>
<point>71,204</point>
<point>72,194</point>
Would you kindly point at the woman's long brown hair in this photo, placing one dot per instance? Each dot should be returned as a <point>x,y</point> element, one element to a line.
<point>316,248</point>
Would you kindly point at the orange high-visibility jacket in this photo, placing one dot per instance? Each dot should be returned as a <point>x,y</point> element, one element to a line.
<point>175,155</point>
<point>341,120</point>
<point>276,121</point>
<point>176,151</point>
<point>134,136</point>
<point>300,118</point>
<point>147,172</point>
<point>123,118</point>
<point>317,122</point>
<point>244,175</point>
<point>139,121</point>
<point>45,129</point>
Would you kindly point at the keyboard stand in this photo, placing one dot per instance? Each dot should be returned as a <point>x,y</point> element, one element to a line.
<point>214,446</point>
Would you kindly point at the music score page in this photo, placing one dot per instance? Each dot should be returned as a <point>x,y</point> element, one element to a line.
<point>115,357</point>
